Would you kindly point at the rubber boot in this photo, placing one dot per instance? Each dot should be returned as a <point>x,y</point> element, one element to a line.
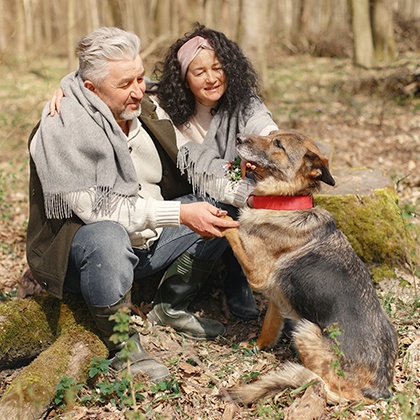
<point>177,289</point>
<point>140,360</point>
<point>239,295</point>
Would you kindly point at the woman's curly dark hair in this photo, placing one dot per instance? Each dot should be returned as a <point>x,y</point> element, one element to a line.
<point>241,78</point>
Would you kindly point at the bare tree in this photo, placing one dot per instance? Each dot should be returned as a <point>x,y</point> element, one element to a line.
<point>253,36</point>
<point>20,28</point>
<point>3,34</point>
<point>163,17</point>
<point>92,15</point>
<point>362,34</point>
<point>383,32</point>
<point>373,32</point>
<point>71,39</point>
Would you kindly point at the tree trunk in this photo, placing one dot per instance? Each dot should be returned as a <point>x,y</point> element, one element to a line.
<point>163,18</point>
<point>20,29</point>
<point>71,42</point>
<point>47,24</point>
<point>3,37</point>
<point>253,37</point>
<point>92,15</point>
<point>362,34</point>
<point>383,32</point>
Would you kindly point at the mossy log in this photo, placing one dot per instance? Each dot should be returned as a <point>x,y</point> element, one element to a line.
<point>27,327</point>
<point>365,206</point>
<point>73,347</point>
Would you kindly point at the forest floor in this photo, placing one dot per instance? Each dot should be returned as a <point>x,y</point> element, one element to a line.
<point>371,118</point>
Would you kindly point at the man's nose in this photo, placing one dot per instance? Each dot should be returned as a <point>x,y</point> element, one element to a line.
<point>138,90</point>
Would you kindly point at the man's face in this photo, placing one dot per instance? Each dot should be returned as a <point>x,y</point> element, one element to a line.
<point>123,89</point>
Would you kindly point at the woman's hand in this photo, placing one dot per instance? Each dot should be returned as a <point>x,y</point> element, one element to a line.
<point>55,102</point>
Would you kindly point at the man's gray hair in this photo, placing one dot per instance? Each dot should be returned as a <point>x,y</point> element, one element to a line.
<point>100,47</point>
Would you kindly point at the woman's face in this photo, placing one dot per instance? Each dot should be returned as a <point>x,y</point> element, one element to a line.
<point>206,78</point>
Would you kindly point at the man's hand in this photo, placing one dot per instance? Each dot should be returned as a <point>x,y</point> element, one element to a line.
<point>55,102</point>
<point>205,219</point>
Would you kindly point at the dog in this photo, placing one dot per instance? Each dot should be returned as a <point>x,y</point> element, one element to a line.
<point>294,254</point>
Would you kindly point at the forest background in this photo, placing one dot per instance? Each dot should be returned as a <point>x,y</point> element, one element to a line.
<point>350,80</point>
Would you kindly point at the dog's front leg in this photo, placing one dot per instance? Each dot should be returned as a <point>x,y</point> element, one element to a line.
<point>235,242</point>
<point>272,327</point>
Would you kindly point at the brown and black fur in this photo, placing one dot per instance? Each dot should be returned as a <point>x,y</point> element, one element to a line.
<point>309,272</point>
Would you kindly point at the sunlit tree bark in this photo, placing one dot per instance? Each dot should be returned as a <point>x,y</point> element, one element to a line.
<point>362,34</point>
<point>19,35</point>
<point>383,32</point>
<point>163,17</point>
<point>253,36</point>
<point>373,32</point>
<point>71,38</point>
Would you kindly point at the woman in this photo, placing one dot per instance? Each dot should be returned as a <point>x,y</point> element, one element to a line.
<point>209,89</point>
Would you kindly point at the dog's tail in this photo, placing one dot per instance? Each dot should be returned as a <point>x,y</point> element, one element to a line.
<point>315,350</point>
<point>289,375</point>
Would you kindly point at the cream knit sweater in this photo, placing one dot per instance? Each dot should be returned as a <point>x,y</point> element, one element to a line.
<point>145,220</point>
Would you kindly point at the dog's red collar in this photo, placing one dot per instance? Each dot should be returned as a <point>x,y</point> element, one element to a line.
<point>279,202</point>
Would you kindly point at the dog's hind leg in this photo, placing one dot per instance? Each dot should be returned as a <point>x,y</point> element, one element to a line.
<point>319,355</point>
<point>272,326</point>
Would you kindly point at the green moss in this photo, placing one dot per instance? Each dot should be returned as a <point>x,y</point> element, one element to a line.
<point>380,272</point>
<point>39,379</point>
<point>25,329</point>
<point>29,326</point>
<point>374,226</point>
<point>37,382</point>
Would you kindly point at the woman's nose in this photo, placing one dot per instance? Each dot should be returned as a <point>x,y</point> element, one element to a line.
<point>211,76</point>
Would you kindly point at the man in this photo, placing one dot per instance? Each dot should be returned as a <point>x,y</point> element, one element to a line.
<point>98,218</point>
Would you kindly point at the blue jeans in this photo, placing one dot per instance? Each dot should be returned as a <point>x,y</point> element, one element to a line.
<point>103,264</point>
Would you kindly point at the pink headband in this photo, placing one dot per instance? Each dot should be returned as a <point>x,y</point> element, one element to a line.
<point>189,51</point>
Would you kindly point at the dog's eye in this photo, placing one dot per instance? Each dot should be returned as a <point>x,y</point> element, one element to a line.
<point>278,144</point>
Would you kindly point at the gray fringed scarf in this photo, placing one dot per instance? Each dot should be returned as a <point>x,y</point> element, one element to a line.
<point>83,148</point>
<point>206,163</point>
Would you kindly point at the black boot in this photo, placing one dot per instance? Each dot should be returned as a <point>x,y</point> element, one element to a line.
<point>177,289</point>
<point>239,295</point>
<point>140,360</point>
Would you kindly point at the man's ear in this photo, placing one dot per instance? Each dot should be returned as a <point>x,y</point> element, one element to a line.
<point>89,85</point>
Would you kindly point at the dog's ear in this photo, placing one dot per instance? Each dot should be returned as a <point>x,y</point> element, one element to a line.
<point>319,168</point>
